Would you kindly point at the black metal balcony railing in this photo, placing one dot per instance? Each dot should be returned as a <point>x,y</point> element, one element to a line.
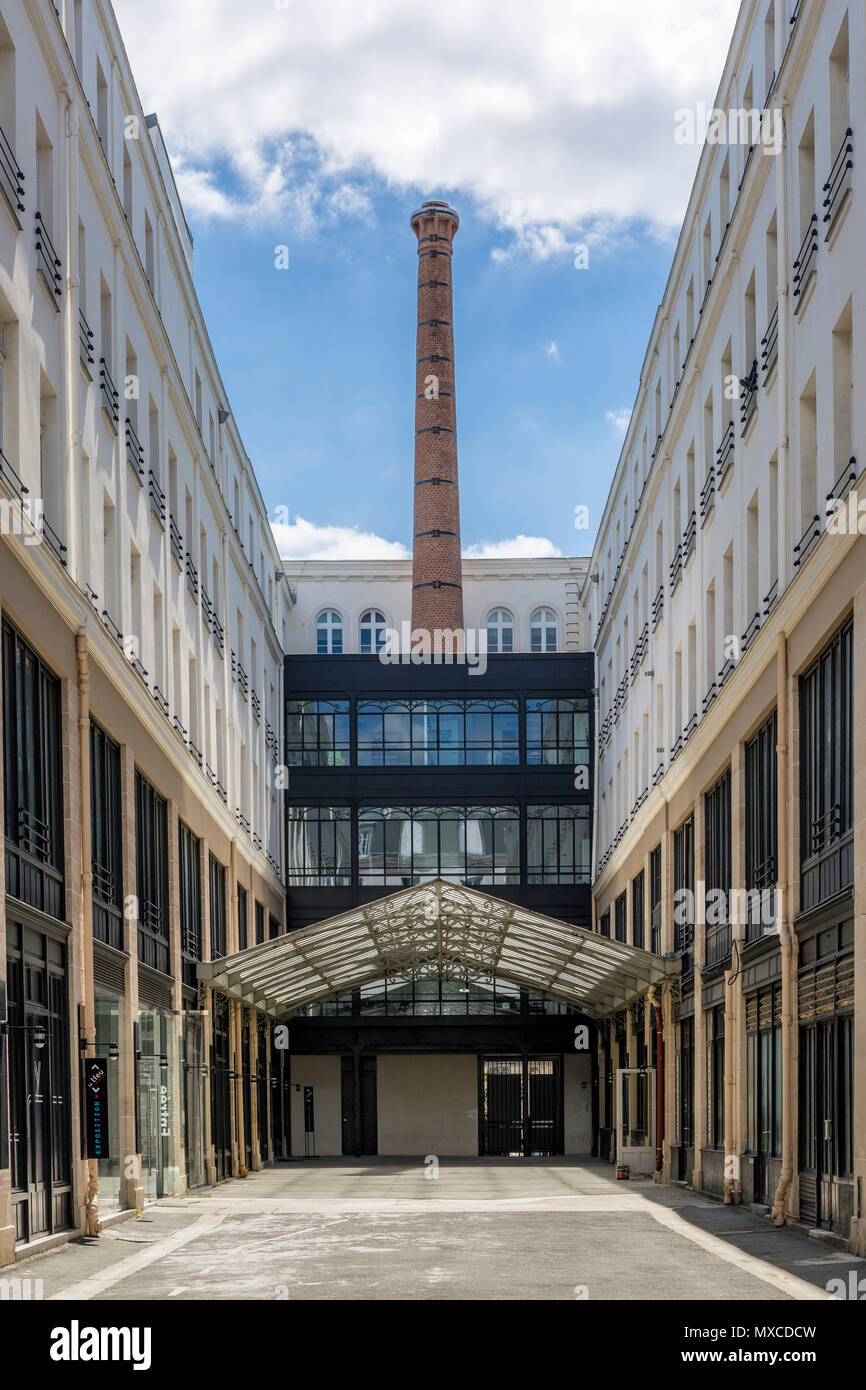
<point>134,452</point>
<point>839,182</point>
<point>689,536</point>
<point>771,598</point>
<point>807,258</point>
<point>658,774</point>
<point>806,543</point>
<point>112,627</point>
<point>222,791</point>
<point>658,606</point>
<point>138,666</point>
<point>176,540</point>
<point>677,746</point>
<point>85,342</point>
<point>91,595</point>
<point>160,699</point>
<point>749,395</point>
<point>47,260</point>
<point>825,829</point>
<point>842,486</point>
<point>178,727</point>
<point>195,750</point>
<point>54,540</point>
<point>725,453</point>
<point>243,681</point>
<point>108,392</point>
<point>11,479</point>
<point>256,704</point>
<point>711,695</point>
<point>157,497</point>
<point>751,632</point>
<point>11,177</point>
<point>676,567</point>
<point>206,609</point>
<point>726,672</point>
<point>770,344</point>
<point>219,636</point>
<point>191,578</point>
<point>690,727</point>
<point>718,943</point>
<point>708,494</point>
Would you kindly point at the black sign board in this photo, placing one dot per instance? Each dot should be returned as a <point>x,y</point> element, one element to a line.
<point>309,1123</point>
<point>96,1106</point>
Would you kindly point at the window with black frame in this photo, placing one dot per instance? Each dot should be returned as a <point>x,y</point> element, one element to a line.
<point>619,918</point>
<point>189,887</point>
<point>402,845</point>
<point>557,731</point>
<point>604,923</point>
<point>217,884</point>
<point>319,840</point>
<point>438,733</point>
<point>827,772</point>
<point>558,844</point>
<point>317,733</point>
<point>717,836</point>
<point>637,910</point>
<point>715,1030</point>
<point>242,918</point>
<point>656,900</point>
<point>761,830</point>
<point>151,867</point>
<point>32,776</point>
<point>106,837</point>
<point>764,1071</point>
<point>684,893</point>
<point>260,923</point>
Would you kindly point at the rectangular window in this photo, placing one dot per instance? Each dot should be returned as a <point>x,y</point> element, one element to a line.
<point>319,849</point>
<point>684,893</point>
<point>637,910</point>
<point>761,829</point>
<point>402,845</point>
<point>656,901</point>
<point>604,923</point>
<point>826,772</point>
<point>619,917</point>
<point>189,883</point>
<point>242,918</point>
<point>33,777</point>
<point>105,837</point>
<point>260,923</point>
<point>715,1029</point>
<point>317,733</point>
<point>273,928</point>
<point>438,733</point>
<point>151,868</point>
<point>717,837</point>
<point>557,731</point>
<point>764,1071</point>
<point>558,844</point>
<point>217,909</point>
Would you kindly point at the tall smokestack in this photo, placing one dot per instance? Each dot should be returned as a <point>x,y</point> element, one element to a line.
<point>437,572</point>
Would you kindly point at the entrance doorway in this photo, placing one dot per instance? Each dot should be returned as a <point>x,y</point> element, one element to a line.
<point>359,1105</point>
<point>635,1118</point>
<point>826,1082</point>
<point>221,1115</point>
<point>39,1084</point>
<point>521,1107</point>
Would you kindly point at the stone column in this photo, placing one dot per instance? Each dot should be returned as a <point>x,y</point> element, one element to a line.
<point>131,1189</point>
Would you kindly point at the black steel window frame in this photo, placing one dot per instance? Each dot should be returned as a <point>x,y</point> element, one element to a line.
<point>106,837</point>
<point>620,917</point>
<point>260,923</point>
<point>604,923</point>
<point>318,733</point>
<point>273,927</point>
<point>33,777</point>
<point>557,731</point>
<point>764,1071</point>
<point>717,873</point>
<point>715,1031</point>
<point>151,870</point>
<point>319,849</point>
<point>217,886</point>
<point>656,900</point>
<point>242,917</point>
<point>189,887</point>
<point>761,824</point>
<point>637,910</point>
<point>485,848</point>
<point>558,844</point>
<point>684,893</point>
<point>827,771</point>
<point>438,733</point>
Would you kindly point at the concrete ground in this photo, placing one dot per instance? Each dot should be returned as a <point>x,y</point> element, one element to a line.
<point>488,1229</point>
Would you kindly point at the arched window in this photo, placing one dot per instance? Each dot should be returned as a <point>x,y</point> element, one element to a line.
<point>500,631</point>
<point>329,633</point>
<point>372,630</point>
<point>542,630</point>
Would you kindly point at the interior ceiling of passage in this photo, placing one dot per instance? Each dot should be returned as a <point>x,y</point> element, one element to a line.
<point>438,928</point>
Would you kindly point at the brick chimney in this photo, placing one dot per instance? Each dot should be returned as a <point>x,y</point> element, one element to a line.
<point>437,574</point>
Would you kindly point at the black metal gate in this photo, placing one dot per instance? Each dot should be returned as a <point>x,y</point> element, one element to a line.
<point>521,1106</point>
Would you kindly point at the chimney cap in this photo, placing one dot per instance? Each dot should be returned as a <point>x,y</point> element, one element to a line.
<point>432,205</point>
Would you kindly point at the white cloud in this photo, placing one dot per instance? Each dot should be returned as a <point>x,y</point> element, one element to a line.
<point>619,419</point>
<point>552,117</point>
<point>518,548</point>
<point>553,352</point>
<point>304,540</point>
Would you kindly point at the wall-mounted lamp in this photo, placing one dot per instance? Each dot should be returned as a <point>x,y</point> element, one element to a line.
<point>163,1062</point>
<point>113,1052</point>
<point>40,1037</point>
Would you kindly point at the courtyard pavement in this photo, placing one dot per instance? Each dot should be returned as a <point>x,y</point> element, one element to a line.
<point>481,1229</point>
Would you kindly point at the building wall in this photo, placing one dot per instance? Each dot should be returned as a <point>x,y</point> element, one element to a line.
<point>577,1089</point>
<point>323,1074</point>
<point>428,1105</point>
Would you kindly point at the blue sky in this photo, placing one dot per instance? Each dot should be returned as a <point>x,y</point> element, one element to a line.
<point>321,127</point>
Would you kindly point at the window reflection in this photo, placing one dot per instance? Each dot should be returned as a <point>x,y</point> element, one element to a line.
<point>449,995</point>
<point>400,845</point>
<point>557,731</point>
<point>438,733</point>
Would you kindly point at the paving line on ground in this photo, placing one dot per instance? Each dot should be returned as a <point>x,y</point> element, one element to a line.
<point>790,1284</point>
<point>122,1269</point>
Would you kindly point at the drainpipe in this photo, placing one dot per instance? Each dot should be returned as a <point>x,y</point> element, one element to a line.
<point>655,1003</point>
<point>93,1224</point>
<point>732,1172</point>
<point>787,944</point>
